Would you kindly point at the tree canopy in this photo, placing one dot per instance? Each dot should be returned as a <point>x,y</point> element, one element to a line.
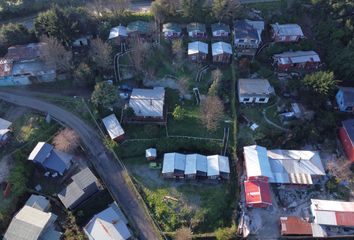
<point>104,95</point>
<point>322,83</point>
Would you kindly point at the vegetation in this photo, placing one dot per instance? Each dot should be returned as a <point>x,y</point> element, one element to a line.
<point>211,112</point>
<point>183,233</point>
<point>104,95</point>
<point>67,140</point>
<point>322,83</point>
<point>179,113</point>
<point>101,54</point>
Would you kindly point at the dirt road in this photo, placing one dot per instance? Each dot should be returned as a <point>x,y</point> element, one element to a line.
<point>109,169</point>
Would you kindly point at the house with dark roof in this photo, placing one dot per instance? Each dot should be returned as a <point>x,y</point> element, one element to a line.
<point>220,30</point>
<point>171,30</point>
<point>196,30</point>
<point>345,99</point>
<point>49,158</point>
<point>84,184</point>
<point>346,136</point>
<point>139,28</point>
<point>247,36</point>
<point>22,65</point>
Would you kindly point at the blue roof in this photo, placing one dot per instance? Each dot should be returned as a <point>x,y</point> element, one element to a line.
<point>40,152</point>
<point>57,161</point>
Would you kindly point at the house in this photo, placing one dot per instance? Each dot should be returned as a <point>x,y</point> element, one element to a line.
<point>332,213</point>
<point>247,36</point>
<point>33,222</point>
<point>84,184</point>
<point>346,135</point>
<point>118,34</point>
<point>197,51</point>
<point>295,226</point>
<point>148,104</point>
<point>345,99</point>
<point>173,165</point>
<point>22,65</point>
<point>218,167</point>
<point>293,167</point>
<point>83,41</point>
<point>220,30</point>
<point>109,224</point>
<point>196,166</point>
<point>50,159</point>
<point>254,90</point>
<point>286,32</point>
<point>299,60</point>
<point>221,52</point>
<point>113,127</point>
<point>4,131</point>
<point>257,193</point>
<point>139,28</point>
<point>196,30</point>
<point>151,154</point>
<point>171,30</point>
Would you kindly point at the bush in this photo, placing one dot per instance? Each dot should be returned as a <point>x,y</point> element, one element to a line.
<point>19,174</point>
<point>179,113</point>
<point>226,233</point>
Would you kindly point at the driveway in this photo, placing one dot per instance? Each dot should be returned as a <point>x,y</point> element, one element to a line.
<point>109,169</point>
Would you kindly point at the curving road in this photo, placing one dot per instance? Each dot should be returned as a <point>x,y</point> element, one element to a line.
<point>109,169</point>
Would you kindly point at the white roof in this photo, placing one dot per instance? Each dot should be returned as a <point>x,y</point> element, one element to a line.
<point>213,165</point>
<point>191,164</point>
<point>328,212</point>
<point>28,224</point>
<point>248,86</point>
<point>36,150</point>
<point>108,224</point>
<point>150,152</point>
<point>196,47</point>
<point>118,31</point>
<point>220,48</point>
<point>224,165</point>
<point>4,124</point>
<point>201,163</point>
<point>257,163</point>
<point>287,29</point>
<point>147,102</point>
<point>113,127</point>
<point>173,161</point>
<point>297,57</point>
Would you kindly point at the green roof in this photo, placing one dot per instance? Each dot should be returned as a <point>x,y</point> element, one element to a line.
<point>139,27</point>
<point>220,26</point>
<point>196,26</point>
<point>175,27</point>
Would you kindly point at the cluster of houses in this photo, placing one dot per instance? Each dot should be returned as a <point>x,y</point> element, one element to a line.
<point>292,169</point>
<point>192,166</point>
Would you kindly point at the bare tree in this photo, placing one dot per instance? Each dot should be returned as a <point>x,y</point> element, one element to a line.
<point>118,7</point>
<point>177,50</point>
<point>183,233</point>
<point>67,140</point>
<point>216,77</point>
<point>212,111</point>
<point>55,54</point>
<point>101,53</point>
<point>139,53</point>
<point>183,85</point>
<point>340,168</point>
<point>225,9</point>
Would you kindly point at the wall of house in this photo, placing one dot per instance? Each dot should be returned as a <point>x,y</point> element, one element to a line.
<point>257,205</point>
<point>347,144</point>
<point>220,33</point>
<point>197,57</point>
<point>197,34</point>
<point>340,101</point>
<point>292,38</point>
<point>289,67</point>
<point>172,34</point>
<point>248,99</point>
<point>222,58</point>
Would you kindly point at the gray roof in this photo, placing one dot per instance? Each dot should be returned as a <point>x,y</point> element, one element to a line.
<point>41,152</point>
<point>139,26</point>
<point>245,30</point>
<point>148,102</point>
<point>349,128</point>
<point>83,186</point>
<point>220,27</point>
<point>196,26</point>
<point>172,27</point>
<point>348,95</point>
<point>38,202</point>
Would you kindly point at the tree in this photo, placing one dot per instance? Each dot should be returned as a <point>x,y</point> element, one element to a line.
<point>226,233</point>
<point>322,83</point>
<point>177,50</point>
<point>15,34</point>
<point>216,77</point>
<point>184,233</point>
<point>192,8</point>
<point>179,113</point>
<point>72,230</point>
<point>212,111</point>
<point>55,54</point>
<point>83,75</point>
<point>67,140</point>
<point>104,95</point>
<point>183,85</point>
<point>225,9</point>
<point>101,53</point>
<point>118,7</point>
<point>140,52</point>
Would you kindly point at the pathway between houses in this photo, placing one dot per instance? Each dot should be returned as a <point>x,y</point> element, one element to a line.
<point>269,121</point>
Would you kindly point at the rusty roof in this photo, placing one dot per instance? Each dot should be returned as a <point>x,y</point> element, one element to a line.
<point>5,67</point>
<point>24,52</point>
<point>257,191</point>
<point>295,226</point>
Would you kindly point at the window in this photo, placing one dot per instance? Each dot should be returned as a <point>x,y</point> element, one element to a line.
<point>246,99</point>
<point>253,41</point>
<point>241,40</point>
<point>261,100</point>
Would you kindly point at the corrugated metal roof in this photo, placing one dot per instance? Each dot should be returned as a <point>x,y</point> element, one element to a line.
<point>257,191</point>
<point>254,87</point>
<point>41,152</point>
<point>4,124</point>
<point>196,47</point>
<point>148,102</point>
<point>220,27</point>
<point>171,27</point>
<point>201,163</point>
<point>224,165</point>
<point>287,29</point>
<point>150,152</point>
<point>168,165</point>
<point>38,202</point>
<point>119,31</point>
<point>113,127</point>
<point>191,164</point>
<point>200,27</point>
<point>348,95</point>
<point>85,178</point>
<point>348,125</point>
<point>213,165</point>
<point>297,57</point>
<point>295,226</point>
<point>220,48</point>
<point>257,163</point>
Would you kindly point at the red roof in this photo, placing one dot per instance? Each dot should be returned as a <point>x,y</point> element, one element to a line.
<point>24,52</point>
<point>295,226</point>
<point>345,219</point>
<point>257,191</point>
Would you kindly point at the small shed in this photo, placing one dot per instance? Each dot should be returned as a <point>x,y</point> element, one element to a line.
<point>113,127</point>
<point>173,165</point>
<point>295,226</point>
<point>345,99</point>
<point>220,30</point>
<point>213,167</point>
<point>197,51</point>
<point>257,193</point>
<point>191,166</point>
<point>151,154</point>
<point>224,167</point>
<point>254,90</point>
<point>286,32</point>
<point>171,30</point>
<point>118,34</point>
<point>196,30</point>
<point>221,52</point>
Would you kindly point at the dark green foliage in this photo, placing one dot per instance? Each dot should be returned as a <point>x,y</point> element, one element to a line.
<point>104,95</point>
<point>84,76</point>
<point>15,34</point>
<point>19,174</point>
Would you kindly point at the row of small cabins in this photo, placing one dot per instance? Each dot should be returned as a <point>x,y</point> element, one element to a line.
<point>291,168</point>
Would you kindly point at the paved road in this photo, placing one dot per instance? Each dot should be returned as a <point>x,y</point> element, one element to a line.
<point>109,169</point>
